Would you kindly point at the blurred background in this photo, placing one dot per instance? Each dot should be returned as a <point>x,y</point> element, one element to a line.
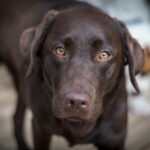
<point>136,15</point>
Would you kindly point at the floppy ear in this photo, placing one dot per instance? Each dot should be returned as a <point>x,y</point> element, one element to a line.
<point>134,55</point>
<point>32,38</point>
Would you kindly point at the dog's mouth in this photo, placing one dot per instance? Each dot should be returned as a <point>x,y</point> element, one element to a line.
<point>75,119</point>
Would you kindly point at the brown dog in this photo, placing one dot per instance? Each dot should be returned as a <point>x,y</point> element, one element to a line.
<point>69,70</point>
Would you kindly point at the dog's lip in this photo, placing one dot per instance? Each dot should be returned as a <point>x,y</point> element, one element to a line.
<point>74,119</point>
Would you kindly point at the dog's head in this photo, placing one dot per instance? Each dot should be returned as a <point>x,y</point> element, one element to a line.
<point>82,55</point>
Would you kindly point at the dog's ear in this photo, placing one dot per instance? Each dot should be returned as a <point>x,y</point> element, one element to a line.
<point>32,38</point>
<point>134,54</point>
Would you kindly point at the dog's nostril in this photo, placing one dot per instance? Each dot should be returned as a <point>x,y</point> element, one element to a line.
<point>83,105</point>
<point>71,103</point>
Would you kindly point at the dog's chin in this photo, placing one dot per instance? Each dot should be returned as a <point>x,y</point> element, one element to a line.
<point>83,125</point>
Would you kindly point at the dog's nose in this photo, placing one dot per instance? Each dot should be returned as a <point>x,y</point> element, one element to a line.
<point>77,101</point>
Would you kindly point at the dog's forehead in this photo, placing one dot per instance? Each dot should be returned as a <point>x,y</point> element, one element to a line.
<point>85,23</point>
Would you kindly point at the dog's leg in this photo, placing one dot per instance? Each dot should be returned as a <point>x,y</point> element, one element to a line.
<point>18,125</point>
<point>41,138</point>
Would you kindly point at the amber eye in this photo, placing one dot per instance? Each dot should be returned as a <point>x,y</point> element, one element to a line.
<point>103,55</point>
<point>60,51</point>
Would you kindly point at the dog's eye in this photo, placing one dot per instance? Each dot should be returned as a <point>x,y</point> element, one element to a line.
<point>103,55</point>
<point>60,51</point>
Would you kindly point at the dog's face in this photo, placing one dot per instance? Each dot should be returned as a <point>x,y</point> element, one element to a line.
<point>82,61</point>
<point>82,53</point>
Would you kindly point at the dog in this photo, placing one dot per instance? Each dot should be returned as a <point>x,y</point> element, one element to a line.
<point>67,59</point>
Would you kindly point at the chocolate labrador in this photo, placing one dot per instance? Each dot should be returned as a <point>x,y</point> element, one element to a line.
<point>67,59</point>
